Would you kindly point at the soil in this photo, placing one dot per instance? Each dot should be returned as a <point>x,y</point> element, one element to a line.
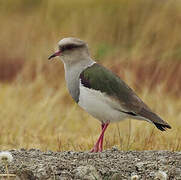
<point>110,164</point>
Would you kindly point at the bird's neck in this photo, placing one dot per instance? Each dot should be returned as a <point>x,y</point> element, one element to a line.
<point>72,73</point>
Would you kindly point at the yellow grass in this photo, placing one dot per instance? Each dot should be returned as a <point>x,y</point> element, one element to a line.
<point>139,40</point>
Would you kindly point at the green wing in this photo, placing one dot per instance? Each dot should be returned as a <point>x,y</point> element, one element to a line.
<point>99,78</point>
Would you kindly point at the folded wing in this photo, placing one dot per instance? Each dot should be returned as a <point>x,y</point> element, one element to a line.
<point>101,79</point>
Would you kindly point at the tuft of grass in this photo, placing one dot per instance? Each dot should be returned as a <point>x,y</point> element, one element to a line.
<point>138,40</point>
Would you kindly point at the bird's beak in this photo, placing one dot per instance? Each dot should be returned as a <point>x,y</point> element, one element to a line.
<point>55,54</point>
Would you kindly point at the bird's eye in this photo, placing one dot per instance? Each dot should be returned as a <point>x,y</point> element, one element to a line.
<point>67,47</point>
<point>62,48</point>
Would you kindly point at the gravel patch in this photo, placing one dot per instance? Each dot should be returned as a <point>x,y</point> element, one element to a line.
<point>109,165</point>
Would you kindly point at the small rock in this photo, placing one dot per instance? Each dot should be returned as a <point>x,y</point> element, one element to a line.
<point>139,166</point>
<point>134,177</point>
<point>116,176</point>
<point>161,175</point>
<point>22,149</point>
<point>87,172</point>
<point>26,174</point>
<point>152,174</point>
<point>115,148</point>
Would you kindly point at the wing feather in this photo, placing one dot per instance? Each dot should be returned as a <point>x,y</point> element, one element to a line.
<point>99,78</point>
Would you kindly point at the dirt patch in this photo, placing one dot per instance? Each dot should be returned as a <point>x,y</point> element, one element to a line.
<point>110,164</point>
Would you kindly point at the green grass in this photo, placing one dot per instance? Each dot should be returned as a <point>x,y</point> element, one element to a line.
<point>139,40</point>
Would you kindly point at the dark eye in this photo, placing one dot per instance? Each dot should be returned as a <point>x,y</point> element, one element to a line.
<point>67,47</point>
<point>62,48</point>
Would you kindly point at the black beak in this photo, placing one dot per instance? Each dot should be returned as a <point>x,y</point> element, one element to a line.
<point>52,56</point>
<point>55,54</point>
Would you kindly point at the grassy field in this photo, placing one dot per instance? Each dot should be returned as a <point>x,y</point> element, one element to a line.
<point>139,40</point>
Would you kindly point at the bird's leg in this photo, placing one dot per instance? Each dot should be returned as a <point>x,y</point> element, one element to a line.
<point>98,148</point>
<point>101,141</point>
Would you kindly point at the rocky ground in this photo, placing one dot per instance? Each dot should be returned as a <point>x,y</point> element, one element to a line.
<point>109,165</point>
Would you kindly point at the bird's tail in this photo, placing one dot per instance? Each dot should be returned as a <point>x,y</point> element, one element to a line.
<point>155,119</point>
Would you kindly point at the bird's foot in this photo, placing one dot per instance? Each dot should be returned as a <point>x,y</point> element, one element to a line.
<point>95,149</point>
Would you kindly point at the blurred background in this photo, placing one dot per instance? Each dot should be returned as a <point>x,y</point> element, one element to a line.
<point>139,40</point>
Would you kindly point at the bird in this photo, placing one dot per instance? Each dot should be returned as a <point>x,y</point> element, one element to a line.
<point>99,91</point>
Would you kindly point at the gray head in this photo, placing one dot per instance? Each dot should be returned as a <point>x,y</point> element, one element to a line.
<point>71,50</point>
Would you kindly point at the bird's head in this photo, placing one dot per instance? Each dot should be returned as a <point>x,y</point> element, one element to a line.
<point>71,50</point>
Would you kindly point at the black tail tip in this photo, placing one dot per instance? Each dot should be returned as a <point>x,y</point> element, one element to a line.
<point>162,127</point>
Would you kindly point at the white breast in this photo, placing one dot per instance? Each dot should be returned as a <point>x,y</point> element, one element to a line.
<point>99,105</point>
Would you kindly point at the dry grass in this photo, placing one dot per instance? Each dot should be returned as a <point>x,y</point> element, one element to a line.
<point>138,40</point>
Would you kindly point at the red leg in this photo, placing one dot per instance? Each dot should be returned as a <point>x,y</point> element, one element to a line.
<point>98,148</point>
<point>101,141</point>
